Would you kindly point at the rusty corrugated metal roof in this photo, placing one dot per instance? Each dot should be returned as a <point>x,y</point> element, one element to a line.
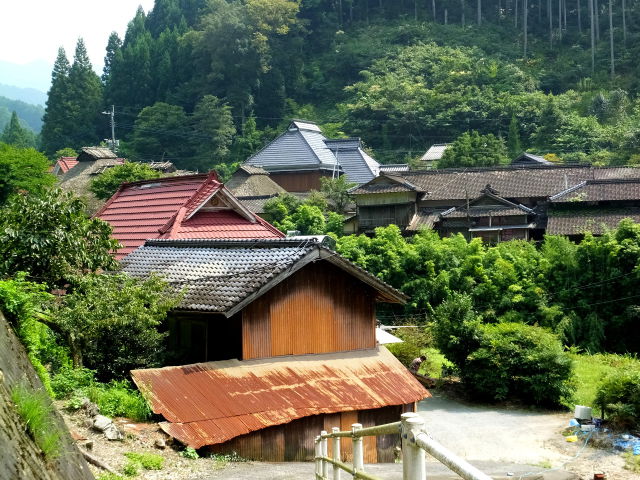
<point>210,403</point>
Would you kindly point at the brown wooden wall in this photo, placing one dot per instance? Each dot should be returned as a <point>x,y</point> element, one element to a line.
<point>295,441</point>
<point>319,309</point>
<point>299,181</point>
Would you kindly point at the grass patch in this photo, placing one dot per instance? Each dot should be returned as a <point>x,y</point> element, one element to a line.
<point>115,399</point>
<point>148,461</point>
<point>632,462</point>
<point>591,370</point>
<point>35,409</point>
<point>190,453</point>
<point>109,476</point>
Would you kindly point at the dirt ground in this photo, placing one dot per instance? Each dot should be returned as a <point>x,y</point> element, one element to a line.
<point>504,443</point>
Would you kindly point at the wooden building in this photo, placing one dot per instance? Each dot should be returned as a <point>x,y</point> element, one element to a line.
<point>299,157</point>
<point>284,332</point>
<point>497,203</point>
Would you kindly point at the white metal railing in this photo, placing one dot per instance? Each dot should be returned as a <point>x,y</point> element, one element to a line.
<point>415,443</point>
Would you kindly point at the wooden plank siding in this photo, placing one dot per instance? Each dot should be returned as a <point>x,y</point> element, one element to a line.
<point>295,441</point>
<point>303,181</point>
<point>313,311</point>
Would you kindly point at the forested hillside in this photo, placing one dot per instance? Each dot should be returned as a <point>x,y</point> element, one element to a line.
<point>206,82</point>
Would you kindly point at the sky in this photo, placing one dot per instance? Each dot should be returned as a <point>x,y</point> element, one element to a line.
<point>33,30</point>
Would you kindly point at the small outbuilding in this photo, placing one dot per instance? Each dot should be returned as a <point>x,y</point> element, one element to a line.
<point>279,342</point>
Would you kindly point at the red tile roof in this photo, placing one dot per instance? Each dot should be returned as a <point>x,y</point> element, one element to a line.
<point>210,403</point>
<point>168,208</point>
<point>66,163</point>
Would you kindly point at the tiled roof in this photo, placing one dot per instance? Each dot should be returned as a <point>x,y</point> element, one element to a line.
<point>221,276</point>
<point>435,152</point>
<point>423,219</point>
<point>211,403</point>
<point>304,147</point>
<point>579,221</point>
<point>395,167</point>
<point>356,164</point>
<point>484,211</point>
<point>530,159</point>
<point>95,153</point>
<point>300,147</point>
<point>64,164</point>
<point>256,204</point>
<point>510,182</point>
<point>600,190</point>
<point>166,208</point>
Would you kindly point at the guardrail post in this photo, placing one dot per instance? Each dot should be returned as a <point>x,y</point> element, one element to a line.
<point>413,457</point>
<point>325,453</point>
<point>335,446</point>
<point>318,454</point>
<point>358,449</point>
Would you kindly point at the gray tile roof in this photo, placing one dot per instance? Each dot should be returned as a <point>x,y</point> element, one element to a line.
<point>435,152</point>
<point>304,147</point>
<point>526,158</point>
<point>357,165</point>
<point>510,182</point>
<point>395,167</point>
<point>600,190</point>
<point>484,211</point>
<point>223,276</point>
<point>579,221</point>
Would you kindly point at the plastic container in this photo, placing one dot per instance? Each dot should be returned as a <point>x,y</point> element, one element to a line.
<point>582,412</point>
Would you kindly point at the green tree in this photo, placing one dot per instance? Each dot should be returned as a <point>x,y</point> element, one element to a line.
<point>337,191</point>
<point>56,127</point>
<point>514,146</point>
<point>50,237</point>
<point>22,169</point>
<point>16,135</point>
<point>106,184</point>
<point>213,131</point>
<point>309,220</point>
<point>160,131</point>
<point>85,99</point>
<point>65,152</point>
<point>114,51</point>
<point>474,150</point>
<point>112,323</point>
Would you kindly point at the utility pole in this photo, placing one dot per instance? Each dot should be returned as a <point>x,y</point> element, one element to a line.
<point>112,114</point>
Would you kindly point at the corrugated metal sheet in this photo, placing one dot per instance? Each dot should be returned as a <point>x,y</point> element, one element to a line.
<point>211,403</point>
<point>435,152</point>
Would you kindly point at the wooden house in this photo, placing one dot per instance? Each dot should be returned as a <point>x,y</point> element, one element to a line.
<point>279,341</point>
<point>299,157</point>
<point>188,206</point>
<point>441,199</point>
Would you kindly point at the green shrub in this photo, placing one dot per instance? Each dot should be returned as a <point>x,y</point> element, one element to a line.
<point>190,453</point>
<point>109,476</point>
<point>519,361</point>
<point>148,461</point>
<point>131,469</point>
<point>35,409</point>
<point>414,341</point>
<point>618,397</point>
<point>119,399</point>
<point>68,380</point>
<point>632,462</point>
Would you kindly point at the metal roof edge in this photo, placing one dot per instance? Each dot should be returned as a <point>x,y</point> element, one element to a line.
<point>568,190</point>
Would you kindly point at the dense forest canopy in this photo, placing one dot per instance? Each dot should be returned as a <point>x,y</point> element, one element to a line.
<point>402,75</point>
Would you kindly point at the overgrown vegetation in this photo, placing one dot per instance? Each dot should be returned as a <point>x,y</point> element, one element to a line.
<point>147,461</point>
<point>35,409</point>
<point>618,397</point>
<point>107,183</point>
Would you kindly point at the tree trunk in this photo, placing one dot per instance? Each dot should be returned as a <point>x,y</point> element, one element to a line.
<point>539,11</point>
<point>550,15</point>
<point>593,40</point>
<point>479,12</point>
<point>446,15</point>
<point>433,8</point>
<point>462,12</point>
<point>564,12</point>
<point>624,21</point>
<point>415,10</point>
<point>525,8</point>
<point>580,18</point>
<point>515,14</point>
<point>560,19</point>
<point>596,9</point>
<point>613,65</point>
